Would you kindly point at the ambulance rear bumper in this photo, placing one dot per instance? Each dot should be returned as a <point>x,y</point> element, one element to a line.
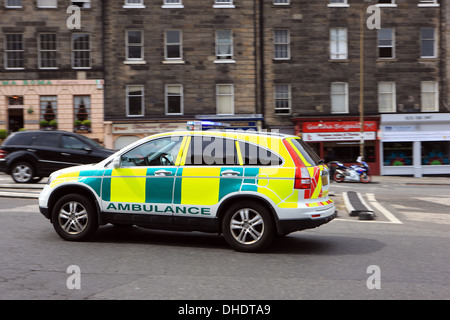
<point>286,226</point>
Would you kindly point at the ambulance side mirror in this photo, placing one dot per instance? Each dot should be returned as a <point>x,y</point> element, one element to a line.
<point>116,162</point>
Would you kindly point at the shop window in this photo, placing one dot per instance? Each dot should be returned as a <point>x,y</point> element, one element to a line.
<point>397,153</point>
<point>435,153</point>
<point>348,152</point>
<point>82,110</point>
<point>48,112</point>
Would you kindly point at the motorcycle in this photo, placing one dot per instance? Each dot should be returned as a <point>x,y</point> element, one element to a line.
<point>353,173</point>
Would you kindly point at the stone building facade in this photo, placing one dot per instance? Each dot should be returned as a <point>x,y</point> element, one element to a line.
<point>49,71</point>
<point>173,62</point>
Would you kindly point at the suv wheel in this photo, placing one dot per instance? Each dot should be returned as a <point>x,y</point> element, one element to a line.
<point>248,226</point>
<point>74,218</point>
<point>22,172</point>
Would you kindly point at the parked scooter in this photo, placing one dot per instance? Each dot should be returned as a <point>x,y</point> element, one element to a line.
<point>352,173</point>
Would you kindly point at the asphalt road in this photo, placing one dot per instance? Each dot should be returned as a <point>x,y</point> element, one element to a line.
<point>340,260</point>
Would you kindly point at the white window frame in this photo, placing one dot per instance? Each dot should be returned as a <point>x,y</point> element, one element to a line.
<point>392,4</point>
<point>172,4</point>
<point>13,6</point>
<point>224,58</point>
<point>218,95</point>
<point>180,44</point>
<point>83,50</point>
<point>87,3</point>
<point>280,96</point>
<point>428,3</point>
<point>40,51</point>
<point>386,46</point>
<point>340,4</point>
<point>127,45</point>
<point>435,48</point>
<point>277,44</point>
<point>222,4</point>
<point>333,94</point>
<point>6,50</point>
<point>335,44</point>
<point>281,2</point>
<point>134,5</point>
<point>167,94</point>
<point>434,93</point>
<point>127,102</point>
<point>47,6</point>
<point>392,92</point>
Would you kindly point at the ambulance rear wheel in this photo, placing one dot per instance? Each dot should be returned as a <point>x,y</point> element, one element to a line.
<point>74,218</point>
<point>248,226</point>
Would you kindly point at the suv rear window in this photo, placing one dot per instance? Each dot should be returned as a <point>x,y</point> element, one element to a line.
<point>25,139</point>
<point>308,153</point>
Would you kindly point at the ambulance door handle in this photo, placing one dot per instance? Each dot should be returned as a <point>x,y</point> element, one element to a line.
<point>163,172</point>
<point>228,173</point>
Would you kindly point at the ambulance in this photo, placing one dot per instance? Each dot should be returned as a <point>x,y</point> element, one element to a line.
<point>248,187</point>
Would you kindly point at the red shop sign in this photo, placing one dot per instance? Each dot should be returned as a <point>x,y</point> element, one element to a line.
<point>338,126</point>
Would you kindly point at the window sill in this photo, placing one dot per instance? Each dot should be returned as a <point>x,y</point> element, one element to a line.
<point>429,59</point>
<point>429,5</point>
<point>133,7</point>
<point>224,6</point>
<point>224,61</point>
<point>387,60</point>
<point>135,62</point>
<point>173,62</point>
<point>172,6</point>
<point>338,5</point>
<point>386,5</point>
<point>12,69</point>
<point>339,60</point>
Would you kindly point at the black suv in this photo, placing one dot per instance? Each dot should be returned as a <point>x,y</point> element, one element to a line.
<point>30,155</point>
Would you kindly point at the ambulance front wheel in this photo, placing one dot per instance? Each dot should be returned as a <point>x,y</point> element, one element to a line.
<point>74,218</point>
<point>248,226</point>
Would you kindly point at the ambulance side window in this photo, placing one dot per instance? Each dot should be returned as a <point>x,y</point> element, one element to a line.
<point>253,155</point>
<point>157,152</point>
<point>205,150</point>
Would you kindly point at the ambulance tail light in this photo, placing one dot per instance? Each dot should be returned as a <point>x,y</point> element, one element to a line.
<point>302,178</point>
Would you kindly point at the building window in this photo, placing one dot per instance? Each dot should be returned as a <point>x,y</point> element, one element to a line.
<point>13,3</point>
<point>282,98</point>
<point>281,44</point>
<point>430,96</point>
<point>47,3</point>
<point>173,45</point>
<point>14,51</point>
<point>225,99</point>
<point>173,4</point>
<point>223,4</point>
<point>338,3</point>
<point>135,101</point>
<point>134,4</point>
<point>338,43</point>
<point>47,51</point>
<point>81,3</point>
<point>135,45</point>
<point>81,51</point>
<point>397,153</point>
<point>82,110</point>
<point>428,3</point>
<point>383,2</point>
<point>428,43</point>
<point>224,44</point>
<point>281,2</point>
<point>174,99</point>
<point>386,44</point>
<point>435,153</point>
<point>387,101</point>
<point>48,109</point>
<point>339,97</point>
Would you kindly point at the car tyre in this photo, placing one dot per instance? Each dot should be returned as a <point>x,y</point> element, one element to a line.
<point>22,172</point>
<point>248,227</point>
<point>74,218</point>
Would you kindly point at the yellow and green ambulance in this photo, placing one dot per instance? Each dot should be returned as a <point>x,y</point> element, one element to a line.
<point>249,187</point>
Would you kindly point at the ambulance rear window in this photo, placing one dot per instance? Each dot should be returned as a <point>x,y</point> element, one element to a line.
<point>310,156</point>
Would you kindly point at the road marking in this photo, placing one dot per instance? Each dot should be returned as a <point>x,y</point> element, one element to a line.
<point>379,207</point>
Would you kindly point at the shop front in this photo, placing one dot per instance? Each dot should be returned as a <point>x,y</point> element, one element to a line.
<point>415,144</point>
<point>340,141</point>
<point>71,105</point>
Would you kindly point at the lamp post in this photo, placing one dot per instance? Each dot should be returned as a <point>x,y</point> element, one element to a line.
<point>361,78</point>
